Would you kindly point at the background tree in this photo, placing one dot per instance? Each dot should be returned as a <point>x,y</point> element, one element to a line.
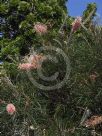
<point>17,21</point>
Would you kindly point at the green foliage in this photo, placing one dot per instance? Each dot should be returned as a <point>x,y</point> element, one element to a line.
<point>3,9</point>
<point>23,6</point>
<point>90,13</point>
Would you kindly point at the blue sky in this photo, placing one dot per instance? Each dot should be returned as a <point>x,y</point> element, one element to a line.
<point>76,7</point>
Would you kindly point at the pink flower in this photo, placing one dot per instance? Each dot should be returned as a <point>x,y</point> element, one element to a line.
<point>40,28</point>
<point>33,62</point>
<point>93,76</point>
<point>26,66</point>
<point>76,24</point>
<point>10,109</point>
<point>35,59</point>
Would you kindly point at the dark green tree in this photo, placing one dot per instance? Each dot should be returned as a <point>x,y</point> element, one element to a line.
<point>17,20</point>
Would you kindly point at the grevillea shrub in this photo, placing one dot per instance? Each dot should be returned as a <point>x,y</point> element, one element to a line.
<point>59,111</point>
<point>29,109</point>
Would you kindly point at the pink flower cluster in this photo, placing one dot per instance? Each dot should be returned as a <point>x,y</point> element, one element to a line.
<point>76,24</point>
<point>40,28</point>
<point>26,66</point>
<point>10,108</point>
<point>93,76</point>
<point>34,62</point>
